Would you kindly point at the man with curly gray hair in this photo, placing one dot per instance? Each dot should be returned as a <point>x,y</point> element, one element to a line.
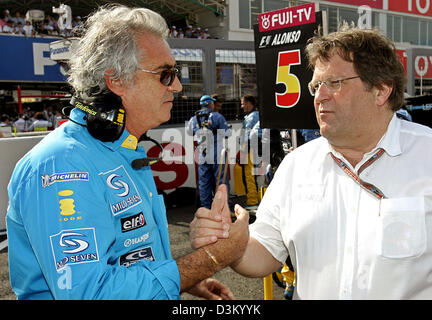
<point>84,222</point>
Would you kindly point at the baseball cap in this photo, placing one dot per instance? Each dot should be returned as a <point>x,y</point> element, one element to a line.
<point>206,99</point>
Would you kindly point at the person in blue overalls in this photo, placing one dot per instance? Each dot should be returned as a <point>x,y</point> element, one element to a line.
<point>210,129</point>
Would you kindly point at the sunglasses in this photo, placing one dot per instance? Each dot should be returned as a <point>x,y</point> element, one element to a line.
<point>167,76</point>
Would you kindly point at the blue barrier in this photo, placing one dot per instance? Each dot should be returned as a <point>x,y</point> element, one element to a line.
<point>27,59</point>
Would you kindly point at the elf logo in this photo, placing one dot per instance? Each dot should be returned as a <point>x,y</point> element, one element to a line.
<point>133,222</point>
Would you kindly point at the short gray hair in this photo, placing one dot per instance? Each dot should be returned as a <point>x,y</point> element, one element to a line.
<point>108,42</point>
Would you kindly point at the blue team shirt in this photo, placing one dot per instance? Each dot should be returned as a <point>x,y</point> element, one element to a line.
<point>83,224</point>
<point>251,123</point>
<point>216,122</point>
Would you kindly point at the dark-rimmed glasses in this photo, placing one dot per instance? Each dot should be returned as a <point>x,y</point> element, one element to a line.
<point>332,85</point>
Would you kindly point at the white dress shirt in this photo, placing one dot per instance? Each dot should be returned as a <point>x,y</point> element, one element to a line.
<point>345,242</point>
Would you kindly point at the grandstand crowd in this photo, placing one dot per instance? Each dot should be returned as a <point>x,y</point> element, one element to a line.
<point>17,24</point>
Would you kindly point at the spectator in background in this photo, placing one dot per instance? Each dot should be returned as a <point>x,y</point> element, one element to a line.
<point>251,118</point>
<point>206,34</point>
<point>77,22</point>
<point>5,126</point>
<point>23,123</point>
<point>188,32</point>
<point>4,120</point>
<point>180,34</point>
<point>7,15</point>
<point>218,102</point>
<point>309,134</point>
<point>2,21</point>
<point>47,28</point>
<point>50,116</point>
<point>17,19</point>
<point>28,29</point>
<point>198,33</point>
<point>9,28</point>
<point>53,23</point>
<point>19,29</point>
<point>173,32</point>
<point>40,124</point>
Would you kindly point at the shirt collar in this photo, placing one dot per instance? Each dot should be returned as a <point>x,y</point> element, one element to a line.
<point>389,141</point>
<point>126,139</point>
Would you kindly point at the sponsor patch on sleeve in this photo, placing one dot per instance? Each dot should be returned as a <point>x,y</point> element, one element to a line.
<point>124,193</point>
<point>48,180</point>
<point>133,257</point>
<point>74,246</point>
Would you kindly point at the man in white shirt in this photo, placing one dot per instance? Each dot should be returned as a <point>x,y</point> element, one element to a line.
<point>353,208</point>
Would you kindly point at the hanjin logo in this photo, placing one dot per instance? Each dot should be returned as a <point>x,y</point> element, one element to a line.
<point>133,222</point>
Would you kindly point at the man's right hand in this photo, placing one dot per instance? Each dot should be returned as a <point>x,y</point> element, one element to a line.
<point>227,251</point>
<point>214,230</point>
<point>210,225</point>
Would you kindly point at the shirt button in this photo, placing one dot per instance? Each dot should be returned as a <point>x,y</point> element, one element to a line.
<point>150,194</point>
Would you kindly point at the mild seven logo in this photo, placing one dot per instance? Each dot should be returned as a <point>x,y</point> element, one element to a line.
<point>74,246</point>
<point>122,191</point>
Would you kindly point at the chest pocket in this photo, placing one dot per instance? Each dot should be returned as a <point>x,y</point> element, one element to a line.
<point>402,228</point>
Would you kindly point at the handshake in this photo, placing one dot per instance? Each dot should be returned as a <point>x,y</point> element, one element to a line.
<point>213,230</point>
<point>218,243</point>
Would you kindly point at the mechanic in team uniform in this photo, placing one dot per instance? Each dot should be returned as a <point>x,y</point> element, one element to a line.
<point>85,220</point>
<point>210,128</point>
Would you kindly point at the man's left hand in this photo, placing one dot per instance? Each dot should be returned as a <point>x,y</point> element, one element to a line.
<point>211,289</point>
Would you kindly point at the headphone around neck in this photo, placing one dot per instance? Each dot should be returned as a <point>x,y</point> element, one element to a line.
<point>106,119</point>
<point>105,116</point>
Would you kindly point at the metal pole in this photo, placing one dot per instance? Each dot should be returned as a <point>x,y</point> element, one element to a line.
<point>19,99</point>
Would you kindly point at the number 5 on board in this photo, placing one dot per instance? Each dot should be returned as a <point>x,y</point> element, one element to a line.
<point>291,96</point>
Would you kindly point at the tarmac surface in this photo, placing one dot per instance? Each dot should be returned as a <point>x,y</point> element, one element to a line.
<point>178,225</point>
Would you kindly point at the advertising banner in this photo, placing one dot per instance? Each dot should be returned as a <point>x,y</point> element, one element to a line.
<point>417,7</point>
<point>28,59</point>
<point>282,67</point>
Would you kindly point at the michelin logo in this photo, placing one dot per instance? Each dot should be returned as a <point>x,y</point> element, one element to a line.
<point>48,180</point>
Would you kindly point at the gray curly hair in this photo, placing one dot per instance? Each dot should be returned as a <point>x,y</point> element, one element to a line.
<point>108,43</point>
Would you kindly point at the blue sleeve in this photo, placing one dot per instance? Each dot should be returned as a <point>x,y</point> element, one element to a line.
<point>192,126</point>
<point>62,243</point>
<point>257,129</point>
<point>219,122</point>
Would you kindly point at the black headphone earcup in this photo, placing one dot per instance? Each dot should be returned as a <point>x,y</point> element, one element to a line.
<point>109,121</point>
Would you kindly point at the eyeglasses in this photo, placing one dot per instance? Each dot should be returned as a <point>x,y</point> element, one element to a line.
<point>332,85</point>
<point>167,76</point>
